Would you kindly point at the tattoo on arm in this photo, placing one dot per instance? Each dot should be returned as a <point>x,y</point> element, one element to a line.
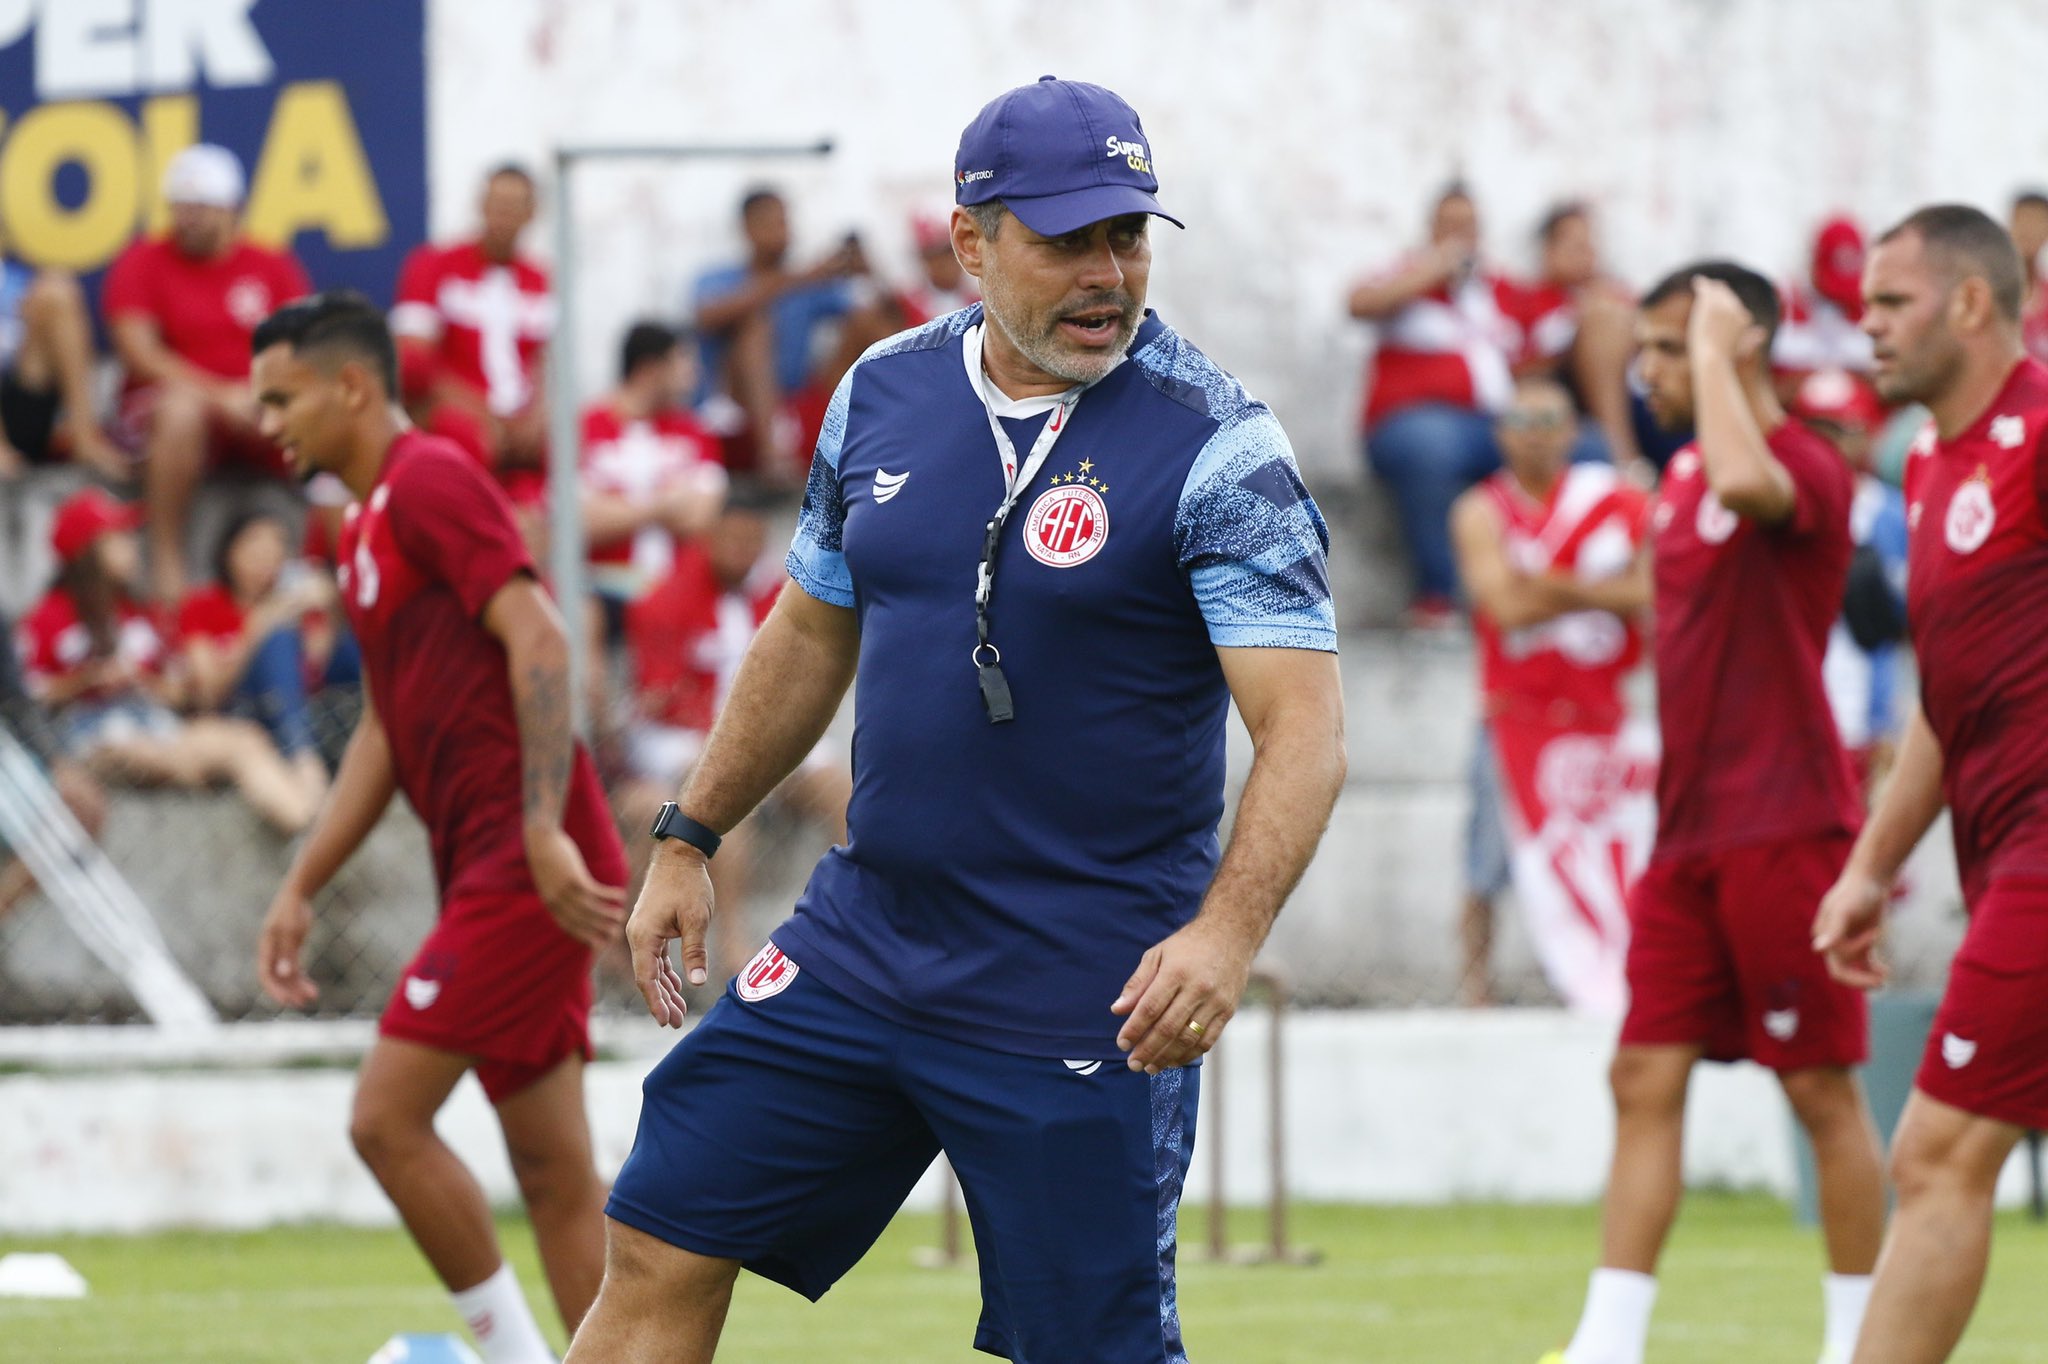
<point>541,700</point>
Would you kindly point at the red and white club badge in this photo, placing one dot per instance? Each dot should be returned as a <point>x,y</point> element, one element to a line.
<point>1971,516</point>
<point>1068,524</point>
<point>767,975</point>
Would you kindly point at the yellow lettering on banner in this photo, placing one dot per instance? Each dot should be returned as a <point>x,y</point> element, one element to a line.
<point>313,173</point>
<point>41,229</point>
<point>170,123</point>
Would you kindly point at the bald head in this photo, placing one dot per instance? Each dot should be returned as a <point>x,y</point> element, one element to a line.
<point>1962,243</point>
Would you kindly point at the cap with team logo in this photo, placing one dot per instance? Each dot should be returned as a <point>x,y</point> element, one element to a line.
<point>1061,155</point>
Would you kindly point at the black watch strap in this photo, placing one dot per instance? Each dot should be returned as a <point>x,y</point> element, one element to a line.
<point>673,823</point>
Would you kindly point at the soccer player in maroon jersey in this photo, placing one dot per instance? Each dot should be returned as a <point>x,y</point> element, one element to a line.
<point>1943,296</point>
<point>1756,805</point>
<point>468,713</point>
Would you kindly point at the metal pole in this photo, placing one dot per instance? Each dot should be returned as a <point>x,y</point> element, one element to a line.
<point>565,503</point>
<point>1276,1097</point>
<point>1219,1209</point>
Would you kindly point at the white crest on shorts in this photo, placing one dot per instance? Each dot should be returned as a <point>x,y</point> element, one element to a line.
<point>767,975</point>
<point>1971,516</point>
<point>1781,1023</point>
<point>1083,1067</point>
<point>1957,1051</point>
<point>1714,522</point>
<point>421,993</point>
<point>887,485</point>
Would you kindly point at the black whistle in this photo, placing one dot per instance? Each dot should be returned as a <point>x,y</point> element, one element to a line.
<point>995,694</point>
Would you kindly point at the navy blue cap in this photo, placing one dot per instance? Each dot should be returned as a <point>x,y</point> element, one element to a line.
<point>1061,155</point>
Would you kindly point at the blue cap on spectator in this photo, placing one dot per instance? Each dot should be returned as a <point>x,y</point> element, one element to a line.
<point>1061,155</point>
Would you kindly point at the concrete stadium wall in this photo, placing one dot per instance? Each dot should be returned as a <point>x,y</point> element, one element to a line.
<point>1381,1108</point>
<point>1299,139</point>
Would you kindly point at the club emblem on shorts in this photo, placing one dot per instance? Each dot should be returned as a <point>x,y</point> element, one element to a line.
<point>1781,1024</point>
<point>767,975</point>
<point>421,993</point>
<point>1957,1051</point>
<point>1082,1067</point>
<point>1714,522</point>
<point>1068,523</point>
<point>1971,514</point>
<point>887,485</point>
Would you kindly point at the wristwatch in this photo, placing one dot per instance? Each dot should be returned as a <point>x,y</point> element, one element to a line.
<point>671,822</point>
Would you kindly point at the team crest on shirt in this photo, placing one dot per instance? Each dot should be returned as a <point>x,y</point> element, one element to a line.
<point>1714,522</point>
<point>1069,523</point>
<point>1971,514</point>
<point>248,301</point>
<point>767,975</point>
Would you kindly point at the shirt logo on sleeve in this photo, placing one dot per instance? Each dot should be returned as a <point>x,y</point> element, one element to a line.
<point>887,485</point>
<point>1971,514</point>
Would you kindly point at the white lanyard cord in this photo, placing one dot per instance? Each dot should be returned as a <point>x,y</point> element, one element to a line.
<point>995,689</point>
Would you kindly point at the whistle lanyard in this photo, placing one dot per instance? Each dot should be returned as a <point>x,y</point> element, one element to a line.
<point>988,659</point>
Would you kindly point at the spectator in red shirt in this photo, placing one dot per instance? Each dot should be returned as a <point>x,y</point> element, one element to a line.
<point>258,637</point>
<point>46,367</point>
<point>1440,368</point>
<point>96,658</point>
<point>652,476</point>
<point>944,286</point>
<point>1576,324</point>
<point>181,309</point>
<point>472,320</point>
<point>2029,227</point>
<point>687,638</point>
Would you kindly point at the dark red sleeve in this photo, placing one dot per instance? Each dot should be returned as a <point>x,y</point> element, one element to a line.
<point>1822,486</point>
<point>452,521</point>
<point>2040,465</point>
<point>416,278</point>
<point>126,292</point>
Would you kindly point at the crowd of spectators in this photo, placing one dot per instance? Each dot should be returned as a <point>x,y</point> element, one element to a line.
<point>151,659</point>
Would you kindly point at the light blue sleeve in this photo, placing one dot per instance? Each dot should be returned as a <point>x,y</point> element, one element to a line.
<point>1252,542</point>
<point>817,557</point>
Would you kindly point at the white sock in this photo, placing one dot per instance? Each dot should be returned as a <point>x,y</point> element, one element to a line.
<point>1846,1295</point>
<point>1616,1324</point>
<point>497,1315</point>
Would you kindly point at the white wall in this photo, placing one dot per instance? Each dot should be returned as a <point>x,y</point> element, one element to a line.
<point>1415,1107</point>
<point>1298,138</point>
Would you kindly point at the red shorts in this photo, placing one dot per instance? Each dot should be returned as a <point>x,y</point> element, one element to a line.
<point>496,980</point>
<point>1988,1052</point>
<point>226,444</point>
<point>1721,956</point>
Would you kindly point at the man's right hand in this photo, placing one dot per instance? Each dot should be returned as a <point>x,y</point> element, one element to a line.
<point>279,948</point>
<point>674,905</point>
<point>1849,927</point>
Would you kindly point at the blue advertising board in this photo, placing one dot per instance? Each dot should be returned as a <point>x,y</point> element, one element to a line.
<point>323,100</point>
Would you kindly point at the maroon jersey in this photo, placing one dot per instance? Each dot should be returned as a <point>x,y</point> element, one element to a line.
<point>419,561</point>
<point>1977,597</point>
<point>1751,753</point>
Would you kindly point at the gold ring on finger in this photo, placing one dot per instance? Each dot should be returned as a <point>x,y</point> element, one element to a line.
<point>1194,1027</point>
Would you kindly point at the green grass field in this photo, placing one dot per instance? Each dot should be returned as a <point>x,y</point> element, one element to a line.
<point>1464,1285</point>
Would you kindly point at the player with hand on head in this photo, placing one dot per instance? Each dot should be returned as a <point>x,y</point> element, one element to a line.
<point>1756,806</point>
<point>467,711</point>
<point>1029,936</point>
<point>1943,294</point>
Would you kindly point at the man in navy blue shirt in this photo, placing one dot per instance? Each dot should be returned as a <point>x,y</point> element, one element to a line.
<point>1055,541</point>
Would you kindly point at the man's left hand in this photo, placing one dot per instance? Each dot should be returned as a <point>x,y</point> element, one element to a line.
<point>1182,994</point>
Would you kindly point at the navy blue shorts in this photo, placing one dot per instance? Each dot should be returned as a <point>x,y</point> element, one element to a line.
<point>785,1132</point>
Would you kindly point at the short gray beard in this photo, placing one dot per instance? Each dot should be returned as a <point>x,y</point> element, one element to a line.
<point>1044,351</point>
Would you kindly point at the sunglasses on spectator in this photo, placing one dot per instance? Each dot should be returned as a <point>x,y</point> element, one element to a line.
<point>1516,420</point>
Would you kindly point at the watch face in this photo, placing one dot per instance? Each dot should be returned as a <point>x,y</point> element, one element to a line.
<point>660,829</point>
